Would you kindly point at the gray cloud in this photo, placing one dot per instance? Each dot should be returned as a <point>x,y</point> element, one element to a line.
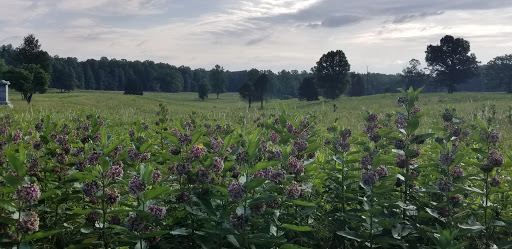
<point>412,17</point>
<point>341,20</point>
<point>257,40</point>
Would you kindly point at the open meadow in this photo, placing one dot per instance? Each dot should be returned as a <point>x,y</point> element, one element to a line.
<point>95,169</point>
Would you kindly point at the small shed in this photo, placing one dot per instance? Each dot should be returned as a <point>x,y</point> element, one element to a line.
<point>4,93</point>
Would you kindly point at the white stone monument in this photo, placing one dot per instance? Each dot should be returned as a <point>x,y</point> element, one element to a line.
<point>4,93</point>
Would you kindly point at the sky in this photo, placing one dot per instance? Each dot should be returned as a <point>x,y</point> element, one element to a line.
<point>378,35</point>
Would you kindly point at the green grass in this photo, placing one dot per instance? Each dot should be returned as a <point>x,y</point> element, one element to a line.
<point>121,111</point>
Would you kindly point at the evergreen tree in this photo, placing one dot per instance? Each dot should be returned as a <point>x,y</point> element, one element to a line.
<point>308,90</point>
<point>203,89</point>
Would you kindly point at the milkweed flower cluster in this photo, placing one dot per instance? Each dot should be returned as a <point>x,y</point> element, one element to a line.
<point>28,194</point>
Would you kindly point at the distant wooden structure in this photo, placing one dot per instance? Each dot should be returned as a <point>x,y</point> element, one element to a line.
<point>4,93</point>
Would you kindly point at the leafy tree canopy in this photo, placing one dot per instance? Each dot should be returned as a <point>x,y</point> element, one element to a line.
<point>331,73</point>
<point>498,72</point>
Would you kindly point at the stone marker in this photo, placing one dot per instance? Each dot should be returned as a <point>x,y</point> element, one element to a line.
<point>4,93</point>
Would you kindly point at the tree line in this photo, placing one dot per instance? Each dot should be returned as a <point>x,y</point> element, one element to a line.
<point>450,67</point>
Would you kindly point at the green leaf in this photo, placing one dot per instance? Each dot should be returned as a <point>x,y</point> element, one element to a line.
<point>148,195</point>
<point>154,234</point>
<point>13,181</point>
<point>112,147</point>
<point>263,165</point>
<point>254,183</point>
<point>302,203</point>
<point>472,225</point>
<point>297,228</point>
<point>180,231</point>
<point>207,205</point>
<point>470,188</point>
<point>144,147</point>
<point>104,163</point>
<point>412,125</point>
<point>16,163</point>
<point>419,138</point>
<point>233,240</point>
<point>351,235</point>
<point>262,199</point>
<point>40,235</point>
<point>311,148</point>
<point>290,246</point>
<point>482,125</point>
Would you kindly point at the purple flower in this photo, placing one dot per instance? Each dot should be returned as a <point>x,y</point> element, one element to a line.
<point>343,146</point>
<point>174,151</point>
<point>258,208</point>
<point>495,159</point>
<point>293,191</point>
<point>197,152</point>
<point>33,167</point>
<point>218,165</point>
<point>28,224</point>
<point>457,172</point>
<point>216,145</point>
<point>115,172</point>
<point>382,171</point>
<point>241,156</point>
<point>444,186</point>
<point>366,161</point>
<point>182,197</point>
<point>157,176</point>
<point>16,136</point>
<point>183,169</point>
<point>346,134</point>
<point>157,211</point>
<point>446,159</point>
<point>93,217</point>
<point>145,156</point>
<point>296,166</point>
<point>274,137</point>
<point>369,178</point>
<point>274,154</point>
<point>401,122</point>
<point>274,203</point>
<point>62,159</point>
<point>203,176</point>
<point>455,199</point>
<point>402,101</point>
<point>37,145</point>
<point>400,144</point>
<point>238,221</point>
<point>28,194</point>
<point>444,212</point>
<point>276,176</point>
<point>112,196</point>
<point>373,118</point>
<point>136,186</point>
<point>494,137</point>
<point>184,139</point>
<point>90,188</point>
<point>236,191</point>
<point>495,181</point>
<point>131,133</point>
<point>134,223</point>
<point>447,116</point>
<point>291,129</point>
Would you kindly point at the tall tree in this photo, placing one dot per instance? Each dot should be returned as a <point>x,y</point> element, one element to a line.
<point>218,80</point>
<point>308,90</point>
<point>133,86</point>
<point>29,52</point>
<point>498,72</point>
<point>246,91</point>
<point>203,89</point>
<point>413,75</point>
<point>331,73</point>
<point>3,67</point>
<point>357,86</point>
<point>260,88</point>
<point>28,80</point>
<point>450,62</point>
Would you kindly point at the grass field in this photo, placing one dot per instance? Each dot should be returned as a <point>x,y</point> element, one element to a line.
<point>122,110</point>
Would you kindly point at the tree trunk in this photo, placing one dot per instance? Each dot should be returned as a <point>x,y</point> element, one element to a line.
<point>249,101</point>
<point>509,86</point>
<point>217,95</point>
<point>28,97</point>
<point>261,103</point>
<point>451,87</point>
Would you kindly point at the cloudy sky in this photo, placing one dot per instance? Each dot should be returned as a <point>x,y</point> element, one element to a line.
<point>265,34</point>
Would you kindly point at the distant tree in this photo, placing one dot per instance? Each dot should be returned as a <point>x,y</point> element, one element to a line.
<point>133,86</point>
<point>498,72</point>
<point>246,91</point>
<point>170,80</point>
<point>29,52</point>
<point>28,80</point>
<point>260,88</point>
<point>3,67</point>
<point>413,75</point>
<point>331,73</point>
<point>357,86</point>
<point>218,80</point>
<point>450,62</point>
<point>89,82</point>
<point>8,53</point>
<point>203,89</point>
<point>308,90</point>
<point>63,77</point>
